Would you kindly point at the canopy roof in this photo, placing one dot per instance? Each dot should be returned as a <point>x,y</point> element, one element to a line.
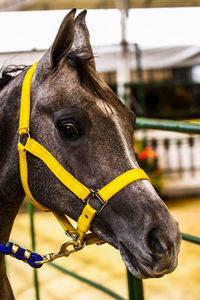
<point>151,58</point>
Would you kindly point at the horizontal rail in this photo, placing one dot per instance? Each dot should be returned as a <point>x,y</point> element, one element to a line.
<point>191,238</point>
<point>85,280</point>
<point>184,127</point>
<point>162,84</point>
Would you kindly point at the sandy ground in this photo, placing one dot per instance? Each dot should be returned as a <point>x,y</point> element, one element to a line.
<point>103,263</point>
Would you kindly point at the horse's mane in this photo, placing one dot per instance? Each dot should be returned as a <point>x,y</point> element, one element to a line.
<point>9,72</point>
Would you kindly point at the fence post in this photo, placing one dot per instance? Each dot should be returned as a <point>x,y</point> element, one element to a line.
<point>135,287</point>
<point>32,229</point>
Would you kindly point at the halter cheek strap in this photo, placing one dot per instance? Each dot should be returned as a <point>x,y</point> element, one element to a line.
<point>81,191</point>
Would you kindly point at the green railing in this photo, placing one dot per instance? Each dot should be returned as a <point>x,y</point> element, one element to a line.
<point>135,286</point>
<point>184,127</point>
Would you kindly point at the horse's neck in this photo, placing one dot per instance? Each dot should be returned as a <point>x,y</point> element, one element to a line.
<point>11,192</point>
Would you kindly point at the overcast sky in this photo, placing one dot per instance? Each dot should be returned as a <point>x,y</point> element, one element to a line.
<point>148,27</point>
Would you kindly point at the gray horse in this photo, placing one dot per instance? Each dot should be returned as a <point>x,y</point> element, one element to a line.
<point>76,116</point>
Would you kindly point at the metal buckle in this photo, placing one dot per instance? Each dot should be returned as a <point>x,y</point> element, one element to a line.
<point>92,195</point>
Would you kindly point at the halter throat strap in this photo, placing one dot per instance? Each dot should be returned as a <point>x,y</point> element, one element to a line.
<point>76,187</point>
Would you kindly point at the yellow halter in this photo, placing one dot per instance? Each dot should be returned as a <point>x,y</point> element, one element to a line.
<point>81,191</point>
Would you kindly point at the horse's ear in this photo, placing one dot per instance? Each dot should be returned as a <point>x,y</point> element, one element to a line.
<point>82,37</point>
<point>64,39</point>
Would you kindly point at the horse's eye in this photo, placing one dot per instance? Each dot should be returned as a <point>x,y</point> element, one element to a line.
<point>68,129</point>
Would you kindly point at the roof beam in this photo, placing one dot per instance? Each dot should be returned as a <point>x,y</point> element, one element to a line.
<point>9,5</point>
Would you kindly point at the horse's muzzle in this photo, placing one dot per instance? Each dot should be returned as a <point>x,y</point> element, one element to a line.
<point>158,257</point>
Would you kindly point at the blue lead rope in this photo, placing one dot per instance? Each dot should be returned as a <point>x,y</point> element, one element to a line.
<point>33,258</point>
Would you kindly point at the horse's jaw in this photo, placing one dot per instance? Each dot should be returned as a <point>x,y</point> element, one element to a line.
<point>139,261</point>
<point>149,241</point>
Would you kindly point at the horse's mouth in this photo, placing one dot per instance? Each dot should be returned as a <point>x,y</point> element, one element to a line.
<point>139,267</point>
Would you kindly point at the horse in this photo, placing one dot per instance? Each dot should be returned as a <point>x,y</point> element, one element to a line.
<point>85,126</point>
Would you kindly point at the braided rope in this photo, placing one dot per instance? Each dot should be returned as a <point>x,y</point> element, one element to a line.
<point>33,258</point>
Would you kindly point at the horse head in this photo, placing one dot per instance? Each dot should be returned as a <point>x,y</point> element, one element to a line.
<point>84,125</point>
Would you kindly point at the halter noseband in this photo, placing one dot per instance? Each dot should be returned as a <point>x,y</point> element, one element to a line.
<point>80,190</point>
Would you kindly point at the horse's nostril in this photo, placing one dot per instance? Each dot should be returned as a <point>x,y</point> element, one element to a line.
<point>154,241</point>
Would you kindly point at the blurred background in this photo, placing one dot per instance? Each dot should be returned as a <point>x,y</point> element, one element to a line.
<point>148,52</point>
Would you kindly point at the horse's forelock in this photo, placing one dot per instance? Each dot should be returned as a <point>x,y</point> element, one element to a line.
<point>82,61</point>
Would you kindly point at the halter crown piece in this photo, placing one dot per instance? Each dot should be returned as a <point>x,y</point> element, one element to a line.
<point>78,235</point>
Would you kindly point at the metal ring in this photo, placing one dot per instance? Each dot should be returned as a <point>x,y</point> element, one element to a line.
<point>77,248</point>
<point>27,135</point>
<point>73,236</point>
